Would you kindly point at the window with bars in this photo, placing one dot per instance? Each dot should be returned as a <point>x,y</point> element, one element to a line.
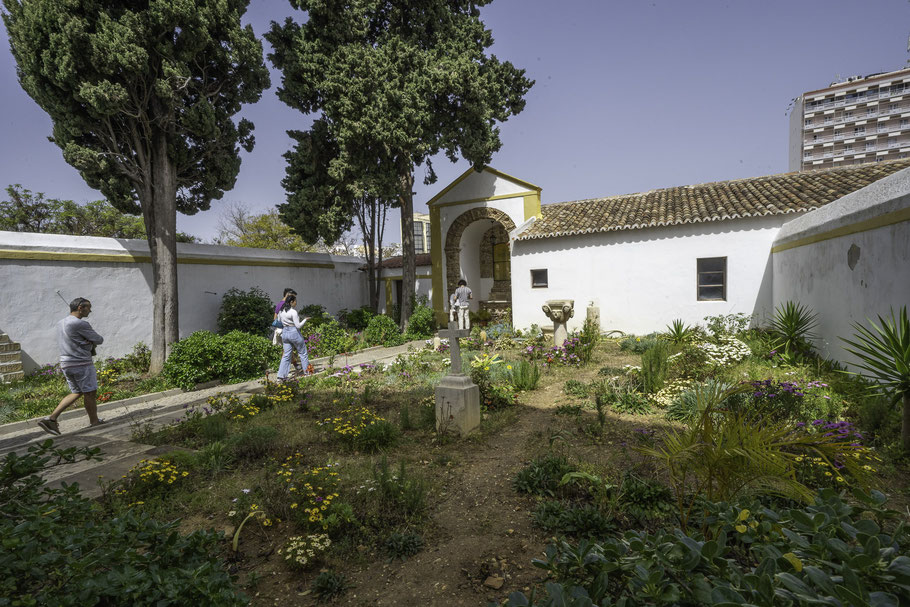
<point>712,279</point>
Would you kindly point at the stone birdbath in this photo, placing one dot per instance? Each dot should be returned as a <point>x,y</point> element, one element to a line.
<point>559,311</point>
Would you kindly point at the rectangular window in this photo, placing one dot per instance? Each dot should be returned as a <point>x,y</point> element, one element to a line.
<point>712,279</point>
<point>538,279</point>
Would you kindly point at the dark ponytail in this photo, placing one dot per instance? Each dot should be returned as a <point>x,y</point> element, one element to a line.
<point>288,301</point>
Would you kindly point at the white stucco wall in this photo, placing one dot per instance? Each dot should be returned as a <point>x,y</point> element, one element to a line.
<point>815,270</point>
<point>644,279</point>
<point>481,185</point>
<point>121,291</point>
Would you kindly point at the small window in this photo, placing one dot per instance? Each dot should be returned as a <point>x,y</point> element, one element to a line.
<point>712,279</point>
<point>538,279</point>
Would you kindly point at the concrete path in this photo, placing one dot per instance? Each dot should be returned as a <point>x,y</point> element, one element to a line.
<point>120,453</point>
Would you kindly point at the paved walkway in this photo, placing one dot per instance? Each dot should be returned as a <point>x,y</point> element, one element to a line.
<point>157,410</point>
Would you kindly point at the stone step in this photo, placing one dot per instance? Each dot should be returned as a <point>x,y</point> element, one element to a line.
<point>11,357</point>
<point>6,378</point>
<point>10,346</point>
<point>10,367</point>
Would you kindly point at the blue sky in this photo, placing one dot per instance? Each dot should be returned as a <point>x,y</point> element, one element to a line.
<point>630,96</point>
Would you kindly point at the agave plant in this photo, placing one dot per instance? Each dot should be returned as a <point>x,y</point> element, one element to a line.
<point>884,355</point>
<point>678,332</point>
<point>792,328</point>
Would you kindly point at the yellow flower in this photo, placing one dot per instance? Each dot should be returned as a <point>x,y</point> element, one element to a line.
<point>509,367</point>
<point>840,479</point>
<point>741,528</point>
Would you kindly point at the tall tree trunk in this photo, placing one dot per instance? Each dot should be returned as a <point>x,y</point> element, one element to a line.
<point>383,207</point>
<point>159,208</point>
<point>408,262</point>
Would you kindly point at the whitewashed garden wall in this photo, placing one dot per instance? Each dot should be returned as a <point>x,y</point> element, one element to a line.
<point>643,279</point>
<point>116,275</point>
<point>849,260</point>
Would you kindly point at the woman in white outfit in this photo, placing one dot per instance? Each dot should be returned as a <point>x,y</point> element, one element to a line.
<point>291,337</point>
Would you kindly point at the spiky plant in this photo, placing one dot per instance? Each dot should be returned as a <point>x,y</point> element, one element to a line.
<point>884,355</point>
<point>792,328</point>
<point>678,332</point>
<point>724,454</point>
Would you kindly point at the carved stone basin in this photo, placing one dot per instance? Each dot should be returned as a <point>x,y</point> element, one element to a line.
<point>559,311</point>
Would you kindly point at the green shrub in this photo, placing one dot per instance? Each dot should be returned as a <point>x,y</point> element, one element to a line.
<point>480,318</point>
<point>138,360</point>
<point>655,367</point>
<point>543,475</point>
<point>213,428</point>
<point>637,345</point>
<point>382,331</point>
<point>579,520</point>
<point>332,339</point>
<point>377,436</point>
<point>727,324</point>
<point>828,553</point>
<point>60,548</point>
<point>254,443</point>
<point>645,498</point>
<point>524,375</point>
<point>356,320</point>
<point>402,545</point>
<point>248,311</point>
<point>422,323</point>
<point>205,356</point>
<point>330,585</point>
<point>399,497</point>
<point>589,338</point>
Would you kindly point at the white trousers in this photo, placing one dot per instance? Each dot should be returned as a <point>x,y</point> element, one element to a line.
<point>464,321</point>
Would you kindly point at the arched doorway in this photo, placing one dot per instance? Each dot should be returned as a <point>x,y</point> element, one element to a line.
<point>477,248</point>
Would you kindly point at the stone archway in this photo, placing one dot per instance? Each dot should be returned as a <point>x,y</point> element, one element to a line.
<point>455,232</point>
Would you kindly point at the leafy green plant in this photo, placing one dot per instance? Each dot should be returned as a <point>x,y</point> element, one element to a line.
<point>543,475</point>
<point>329,585</point>
<point>645,498</point>
<point>589,337</point>
<point>382,331</point>
<point>379,435</point>
<point>637,345</point>
<point>205,356</point>
<point>655,367</point>
<point>402,545</point>
<point>356,320</point>
<point>60,548</point>
<point>723,455</point>
<point>525,375</point>
<point>792,328</point>
<point>827,553</point>
<point>630,402</point>
<point>333,339</point>
<point>573,387</point>
<point>678,332</point>
<point>884,354</point>
<point>400,497</point>
<point>572,519</point>
<point>248,311</point>
<point>422,323</point>
<point>727,324</point>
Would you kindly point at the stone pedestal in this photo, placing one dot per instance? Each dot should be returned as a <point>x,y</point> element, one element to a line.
<point>457,405</point>
<point>457,397</point>
<point>594,316</point>
<point>559,311</point>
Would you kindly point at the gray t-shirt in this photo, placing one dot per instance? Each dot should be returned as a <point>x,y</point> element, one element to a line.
<point>461,296</point>
<point>75,338</point>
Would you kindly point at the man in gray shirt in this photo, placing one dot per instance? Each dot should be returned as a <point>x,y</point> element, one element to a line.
<point>461,296</point>
<point>77,341</point>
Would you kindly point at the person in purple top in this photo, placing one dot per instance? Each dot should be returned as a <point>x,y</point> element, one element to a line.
<point>77,341</point>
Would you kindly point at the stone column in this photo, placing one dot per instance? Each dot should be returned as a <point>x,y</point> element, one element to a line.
<point>457,397</point>
<point>559,311</point>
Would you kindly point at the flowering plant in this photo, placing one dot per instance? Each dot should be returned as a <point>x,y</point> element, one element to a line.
<point>149,477</point>
<point>727,351</point>
<point>815,471</point>
<point>302,550</point>
<point>350,422</point>
<point>311,490</point>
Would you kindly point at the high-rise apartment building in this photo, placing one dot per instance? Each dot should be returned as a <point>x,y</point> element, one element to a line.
<point>865,119</point>
<point>421,233</point>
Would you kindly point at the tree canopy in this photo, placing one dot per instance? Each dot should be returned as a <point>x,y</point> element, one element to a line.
<point>27,211</point>
<point>394,83</point>
<point>241,228</point>
<point>142,97</point>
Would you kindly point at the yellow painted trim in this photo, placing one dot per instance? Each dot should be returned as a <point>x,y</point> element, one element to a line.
<point>464,176</point>
<point>881,221</point>
<point>388,296</point>
<point>130,258</point>
<point>491,198</point>
<point>436,262</point>
<point>532,206</point>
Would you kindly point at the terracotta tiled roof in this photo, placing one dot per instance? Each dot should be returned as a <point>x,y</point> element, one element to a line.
<point>422,259</point>
<point>718,201</point>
